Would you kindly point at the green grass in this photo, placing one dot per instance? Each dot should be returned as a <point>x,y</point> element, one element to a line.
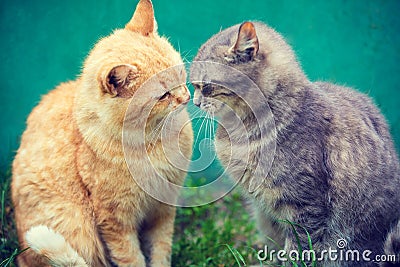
<point>8,238</point>
<point>219,234</point>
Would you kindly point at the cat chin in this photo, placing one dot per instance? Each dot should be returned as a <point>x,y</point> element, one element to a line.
<point>180,108</point>
<point>169,111</point>
<point>211,108</point>
<point>221,111</point>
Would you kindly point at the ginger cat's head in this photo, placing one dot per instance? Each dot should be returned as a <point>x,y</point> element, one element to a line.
<point>114,70</point>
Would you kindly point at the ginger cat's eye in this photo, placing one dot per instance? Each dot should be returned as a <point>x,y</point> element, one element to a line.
<point>165,96</point>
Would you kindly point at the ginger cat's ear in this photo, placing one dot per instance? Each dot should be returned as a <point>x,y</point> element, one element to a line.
<point>120,80</point>
<point>143,20</point>
<point>247,44</point>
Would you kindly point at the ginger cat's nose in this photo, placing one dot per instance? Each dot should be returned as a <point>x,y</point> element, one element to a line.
<point>182,95</point>
<point>186,96</point>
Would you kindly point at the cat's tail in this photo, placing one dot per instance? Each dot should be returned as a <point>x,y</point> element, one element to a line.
<point>54,247</point>
<point>392,247</point>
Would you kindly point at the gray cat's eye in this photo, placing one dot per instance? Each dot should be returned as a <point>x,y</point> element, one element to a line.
<point>206,90</point>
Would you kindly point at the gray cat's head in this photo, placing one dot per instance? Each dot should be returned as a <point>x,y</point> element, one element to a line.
<point>252,49</point>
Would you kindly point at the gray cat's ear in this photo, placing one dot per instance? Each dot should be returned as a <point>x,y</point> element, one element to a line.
<point>143,20</point>
<point>246,46</point>
<point>120,80</point>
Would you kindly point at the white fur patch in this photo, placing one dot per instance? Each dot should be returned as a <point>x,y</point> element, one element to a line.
<point>53,246</point>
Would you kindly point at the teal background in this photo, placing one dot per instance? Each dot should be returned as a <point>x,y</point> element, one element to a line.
<point>43,43</point>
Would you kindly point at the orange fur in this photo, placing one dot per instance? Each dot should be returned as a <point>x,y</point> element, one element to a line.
<point>70,173</point>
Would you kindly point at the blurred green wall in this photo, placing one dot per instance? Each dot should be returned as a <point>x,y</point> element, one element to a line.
<point>43,43</point>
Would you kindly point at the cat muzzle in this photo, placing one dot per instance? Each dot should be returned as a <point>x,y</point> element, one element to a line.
<point>185,99</point>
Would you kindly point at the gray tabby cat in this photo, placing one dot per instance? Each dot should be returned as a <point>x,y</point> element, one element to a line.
<point>335,170</point>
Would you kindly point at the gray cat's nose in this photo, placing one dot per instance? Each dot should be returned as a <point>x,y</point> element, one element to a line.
<point>197,98</point>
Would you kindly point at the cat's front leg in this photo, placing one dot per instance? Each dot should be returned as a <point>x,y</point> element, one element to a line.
<point>270,232</point>
<point>271,235</point>
<point>123,244</point>
<point>158,237</point>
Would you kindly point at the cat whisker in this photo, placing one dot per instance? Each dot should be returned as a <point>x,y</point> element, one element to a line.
<point>207,130</point>
<point>210,131</point>
<point>197,112</point>
<point>185,56</point>
<point>213,123</point>
<point>155,134</point>
<point>179,47</point>
<point>211,116</point>
<point>201,127</point>
<point>165,123</point>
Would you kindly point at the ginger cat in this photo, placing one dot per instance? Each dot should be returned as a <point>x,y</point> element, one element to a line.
<point>76,203</point>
